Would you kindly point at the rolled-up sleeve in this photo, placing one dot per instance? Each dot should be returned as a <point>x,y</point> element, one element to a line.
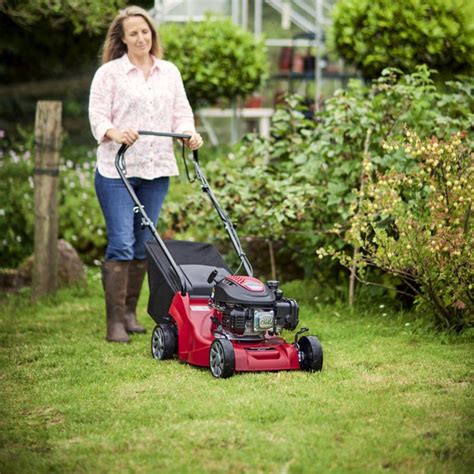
<point>183,119</point>
<point>100,105</point>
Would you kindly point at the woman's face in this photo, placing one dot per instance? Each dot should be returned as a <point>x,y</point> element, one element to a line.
<point>137,36</point>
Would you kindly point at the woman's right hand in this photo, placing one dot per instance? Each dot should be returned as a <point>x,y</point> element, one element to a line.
<point>127,137</point>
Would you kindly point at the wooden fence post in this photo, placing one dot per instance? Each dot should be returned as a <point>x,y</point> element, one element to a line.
<point>47,139</point>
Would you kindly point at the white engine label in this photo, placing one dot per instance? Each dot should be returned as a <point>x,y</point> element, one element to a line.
<point>200,308</point>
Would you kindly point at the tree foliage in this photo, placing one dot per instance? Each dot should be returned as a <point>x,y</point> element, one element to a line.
<point>51,39</point>
<point>217,59</point>
<point>92,16</point>
<point>375,34</point>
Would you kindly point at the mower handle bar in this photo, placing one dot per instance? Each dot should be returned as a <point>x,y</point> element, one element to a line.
<point>182,136</point>
<point>230,228</point>
<point>146,221</point>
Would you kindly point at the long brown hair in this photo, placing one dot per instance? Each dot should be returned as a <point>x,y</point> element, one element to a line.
<point>114,47</point>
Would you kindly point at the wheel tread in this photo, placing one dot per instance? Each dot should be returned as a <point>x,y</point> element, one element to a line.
<point>222,349</point>
<point>313,354</point>
<point>169,337</point>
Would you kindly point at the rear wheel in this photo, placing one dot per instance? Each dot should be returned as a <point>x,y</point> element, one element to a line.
<point>310,353</point>
<point>222,359</point>
<point>163,342</point>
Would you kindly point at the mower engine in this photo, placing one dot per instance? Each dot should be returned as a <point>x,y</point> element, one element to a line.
<point>245,307</point>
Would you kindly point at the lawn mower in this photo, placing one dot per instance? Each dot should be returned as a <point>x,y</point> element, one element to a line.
<point>209,316</point>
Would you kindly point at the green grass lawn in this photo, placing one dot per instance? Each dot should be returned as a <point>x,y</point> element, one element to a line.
<point>391,398</point>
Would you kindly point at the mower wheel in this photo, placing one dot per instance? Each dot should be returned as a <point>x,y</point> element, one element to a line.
<point>222,359</point>
<point>163,342</point>
<point>310,353</point>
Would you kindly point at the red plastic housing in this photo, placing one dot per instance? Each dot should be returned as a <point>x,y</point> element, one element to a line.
<point>249,283</point>
<point>195,336</point>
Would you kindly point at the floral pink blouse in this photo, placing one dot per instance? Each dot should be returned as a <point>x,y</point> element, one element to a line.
<point>120,97</point>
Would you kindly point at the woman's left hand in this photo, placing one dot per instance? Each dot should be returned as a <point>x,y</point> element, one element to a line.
<point>195,142</point>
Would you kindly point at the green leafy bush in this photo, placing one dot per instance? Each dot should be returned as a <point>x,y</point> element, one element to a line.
<point>217,59</point>
<point>301,186</point>
<point>16,205</point>
<point>295,186</point>
<point>377,34</point>
<point>417,225</point>
<point>80,219</point>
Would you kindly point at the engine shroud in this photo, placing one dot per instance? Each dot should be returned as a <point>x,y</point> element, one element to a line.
<point>241,290</point>
<point>248,307</point>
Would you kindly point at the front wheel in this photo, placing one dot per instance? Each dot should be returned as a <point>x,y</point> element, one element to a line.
<point>163,342</point>
<point>310,353</point>
<point>222,359</point>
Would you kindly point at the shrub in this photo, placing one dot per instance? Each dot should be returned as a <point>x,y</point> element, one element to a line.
<point>16,205</point>
<point>417,225</point>
<point>80,218</point>
<point>263,200</point>
<point>296,185</point>
<point>377,34</point>
<point>81,221</point>
<point>217,59</point>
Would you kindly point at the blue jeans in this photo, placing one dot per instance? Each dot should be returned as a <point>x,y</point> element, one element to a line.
<point>125,234</point>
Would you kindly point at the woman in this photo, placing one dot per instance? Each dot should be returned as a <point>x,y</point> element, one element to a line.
<point>133,90</point>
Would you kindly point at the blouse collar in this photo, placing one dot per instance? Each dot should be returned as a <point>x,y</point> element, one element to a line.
<point>129,66</point>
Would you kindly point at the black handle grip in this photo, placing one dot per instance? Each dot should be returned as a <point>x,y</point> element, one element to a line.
<point>165,134</point>
<point>184,136</point>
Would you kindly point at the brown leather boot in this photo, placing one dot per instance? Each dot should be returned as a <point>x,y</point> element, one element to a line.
<point>114,279</point>
<point>136,274</point>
